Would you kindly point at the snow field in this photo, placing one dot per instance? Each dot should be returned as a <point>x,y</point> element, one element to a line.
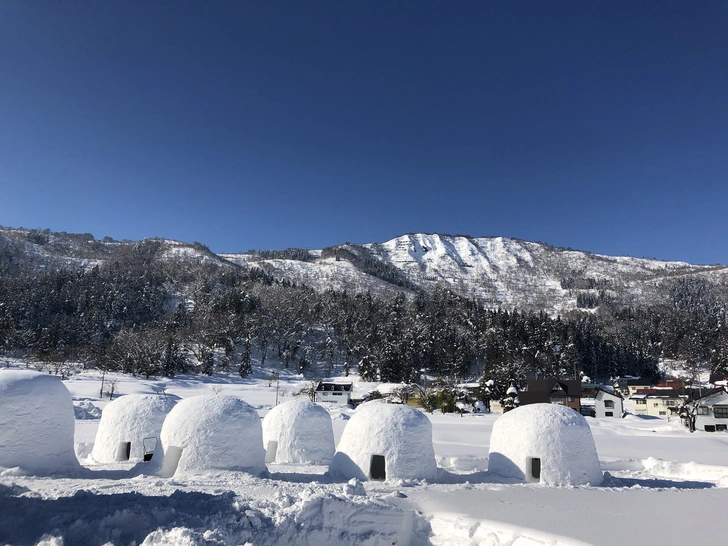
<point>656,472</point>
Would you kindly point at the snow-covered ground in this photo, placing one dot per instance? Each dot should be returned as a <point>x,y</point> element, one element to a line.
<point>664,485</point>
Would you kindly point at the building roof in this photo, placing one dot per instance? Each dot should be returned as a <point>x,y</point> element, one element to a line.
<point>331,386</point>
<point>571,387</point>
<point>714,377</point>
<point>638,382</point>
<point>710,392</point>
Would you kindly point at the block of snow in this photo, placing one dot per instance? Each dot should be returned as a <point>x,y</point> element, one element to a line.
<point>302,431</point>
<point>546,443</point>
<point>386,442</point>
<point>130,427</point>
<point>207,433</point>
<point>36,423</point>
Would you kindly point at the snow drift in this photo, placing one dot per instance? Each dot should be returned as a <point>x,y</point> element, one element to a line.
<point>386,441</point>
<point>205,433</point>
<point>36,423</point>
<point>130,427</point>
<point>546,443</point>
<point>302,433</point>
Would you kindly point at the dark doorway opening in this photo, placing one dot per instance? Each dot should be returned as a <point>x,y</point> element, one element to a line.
<point>536,468</point>
<point>124,451</point>
<point>377,468</point>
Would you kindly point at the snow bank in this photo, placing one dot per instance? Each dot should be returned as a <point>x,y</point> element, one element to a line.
<point>36,423</point>
<point>303,433</point>
<point>130,426</point>
<point>212,433</point>
<point>401,434</point>
<point>558,438</point>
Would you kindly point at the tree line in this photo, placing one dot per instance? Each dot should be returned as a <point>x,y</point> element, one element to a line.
<point>139,313</point>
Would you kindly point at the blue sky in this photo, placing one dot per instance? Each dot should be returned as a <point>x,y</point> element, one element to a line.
<point>601,126</point>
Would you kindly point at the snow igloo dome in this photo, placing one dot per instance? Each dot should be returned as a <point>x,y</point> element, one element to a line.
<point>206,433</point>
<point>386,442</point>
<point>546,443</point>
<point>36,423</point>
<point>130,426</point>
<point>298,431</point>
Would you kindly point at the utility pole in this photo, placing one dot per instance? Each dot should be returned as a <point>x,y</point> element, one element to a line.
<point>277,376</point>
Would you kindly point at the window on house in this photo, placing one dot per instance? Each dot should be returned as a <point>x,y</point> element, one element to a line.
<point>703,410</point>
<point>655,404</point>
<point>609,413</point>
<point>720,412</point>
<point>720,428</point>
<point>609,403</point>
<point>570,398</point>
<point>557,400</point>
<point>671,403</point>
<point>663,413</point>
<point>641,402</point>
<point>709,428</point>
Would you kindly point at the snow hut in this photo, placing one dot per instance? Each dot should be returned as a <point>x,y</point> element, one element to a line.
<point>206,433</point>
<point>36,423</point>
<point>130,427</point>
<point>546,443</point>
<point>386,442</point>
<point>298,431</point>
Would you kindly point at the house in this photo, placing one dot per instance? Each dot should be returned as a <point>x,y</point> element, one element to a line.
<point>657,402</point>
<point>608,404</point>
<point>333,393</point>
<point>712,411</point>
<point>566,392</point>
<point>718,380</point>
<point>630,386</point>
<point>544,443</point>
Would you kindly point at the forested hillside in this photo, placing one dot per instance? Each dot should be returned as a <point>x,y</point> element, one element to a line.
<point>160,308</point>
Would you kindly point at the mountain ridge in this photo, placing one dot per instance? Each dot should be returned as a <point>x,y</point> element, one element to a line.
<point>497,271</point>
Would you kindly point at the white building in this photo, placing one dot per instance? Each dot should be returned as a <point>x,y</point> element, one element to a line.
<point>546,443</point>
<point>36,423</point>
<point>607,404</point>
<point>333,393</point>
<point>712,411</point>
<point>130,426</point>
<point>298,431</point>
<point>386,442</point>
<point>208,433</point>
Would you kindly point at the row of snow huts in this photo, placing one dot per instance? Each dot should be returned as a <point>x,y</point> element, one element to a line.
<point>543,443</point>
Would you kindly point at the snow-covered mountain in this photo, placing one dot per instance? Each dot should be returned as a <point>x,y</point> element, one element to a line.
<point>497,271</point>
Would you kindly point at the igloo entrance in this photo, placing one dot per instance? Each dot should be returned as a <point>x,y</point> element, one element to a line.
<point>378,468</point>
<point>536,469</point>
<point>124,451</point>
<point>171,461</point>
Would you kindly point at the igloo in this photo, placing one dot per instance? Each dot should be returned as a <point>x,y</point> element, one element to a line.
<point>546,443</point>
<point>386,442</point>
<point>36,423</point>
<point>130,426</point>
<point>298,431</point>
<point>205,433</point>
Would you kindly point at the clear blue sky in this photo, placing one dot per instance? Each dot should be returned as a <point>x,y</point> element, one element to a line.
<point>599,125</point>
